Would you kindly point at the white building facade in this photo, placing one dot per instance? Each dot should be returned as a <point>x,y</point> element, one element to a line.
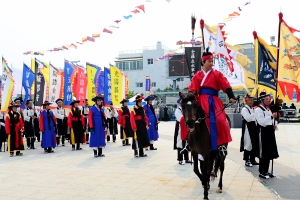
<point>138,64</point>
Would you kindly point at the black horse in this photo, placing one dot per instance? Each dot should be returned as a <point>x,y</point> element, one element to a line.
<point>199,142</point>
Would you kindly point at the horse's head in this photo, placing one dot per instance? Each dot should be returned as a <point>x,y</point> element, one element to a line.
<point>189,109</point>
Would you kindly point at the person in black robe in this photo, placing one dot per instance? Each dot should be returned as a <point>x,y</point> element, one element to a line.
<point>31,123</point>
<point>3,135</point>
<point>76,124</point>
<point>249,139</point>
<point>85,113</point>
<point>111,115</point>
<point>62,122</point>
<point>124,122</point>
<point>139,124</point>
<point>14,128</point>
<point>166,115</point>
<point>267,140</point>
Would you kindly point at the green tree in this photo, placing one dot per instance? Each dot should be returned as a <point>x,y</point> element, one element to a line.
<point>130,94</point>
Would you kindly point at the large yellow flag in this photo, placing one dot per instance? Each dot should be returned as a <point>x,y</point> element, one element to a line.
<point>91,73</point>
<point>116,85</point>
<point>288,62</point>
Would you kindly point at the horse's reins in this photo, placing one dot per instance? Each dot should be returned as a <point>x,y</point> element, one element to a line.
<point>208,116</point>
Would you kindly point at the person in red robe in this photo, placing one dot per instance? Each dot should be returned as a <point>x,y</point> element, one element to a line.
<point>14,128</point>
<point>205,85</point>
<point>76,124</point>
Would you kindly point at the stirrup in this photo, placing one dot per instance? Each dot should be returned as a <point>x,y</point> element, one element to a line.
<point>222,150</point>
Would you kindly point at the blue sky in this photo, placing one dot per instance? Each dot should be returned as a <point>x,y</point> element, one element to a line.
<point>34,25</point>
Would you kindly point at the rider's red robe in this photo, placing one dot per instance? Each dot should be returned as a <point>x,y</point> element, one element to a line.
<point>206,86</point>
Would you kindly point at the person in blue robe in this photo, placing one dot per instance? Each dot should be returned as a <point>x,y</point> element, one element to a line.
<point>152,121</point>
<point>98,126</point>
<point>48,128</point>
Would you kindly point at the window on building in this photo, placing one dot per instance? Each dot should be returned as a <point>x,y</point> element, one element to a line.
<point>132,65</point>
<point>126,66</point>
<point>150,61</point>
<point>123,66</point>
<point>153,84</point>
<point>139,65</point>
<point>139,84</point>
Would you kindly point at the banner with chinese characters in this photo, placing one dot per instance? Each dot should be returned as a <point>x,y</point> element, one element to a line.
<point>116,85</point>
<point>92,71</point>
<point>81,81</point>
<point>55,82</point>
<point>27,82</point>
<point>40,95</point>
<point>100,83</point>
<point>148,85</point>
<point>193,59</point>
<point>107,87</point>
<point>7,86</point>
<point>123,85</point>
<point>69,72</point>
<point>126,86</point>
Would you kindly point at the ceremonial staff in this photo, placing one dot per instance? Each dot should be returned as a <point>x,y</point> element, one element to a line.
<point>193,22</point>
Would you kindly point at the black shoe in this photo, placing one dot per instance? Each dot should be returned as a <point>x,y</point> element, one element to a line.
<point>152,147</point>
<point>144,155</point>
<point>63,145</point>
<point>79,148</point>
<point>264,176</point>
<point>102,155</point>
<point>128,144</point>
<point>136,153</point>
<point>11,154</point>
<point>272,175</point>
<point>248,164</point>
<point>87,143</point>
<point>254,163</point>
<point>181,162</point>
<point>19,154</point>
<point>114,141</point>
<point>188,161</point>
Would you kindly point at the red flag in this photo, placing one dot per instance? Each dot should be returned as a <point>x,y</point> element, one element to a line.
<point>80,90</point>
<point>141,7</point>
<point>135,11</point>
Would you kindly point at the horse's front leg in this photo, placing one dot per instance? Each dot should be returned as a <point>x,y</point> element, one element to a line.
<point>205,182</point>
<point>196,167</point>
<point>222,167</point>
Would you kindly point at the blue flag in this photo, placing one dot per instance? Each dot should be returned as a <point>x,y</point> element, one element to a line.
<point>27,81</point>
<point>69,73</point>
<point>100,87</point>
<point>107,86</point>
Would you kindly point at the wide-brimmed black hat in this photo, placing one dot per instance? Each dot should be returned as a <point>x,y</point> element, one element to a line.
<point>149,98</point>
<point>73,102</point>
<point>263,95</point>
<point>97,98</point>
<point>28,101</point>
<point>18,99</point>
<point>58,100</point>
<point>12,104</point>
<point>138,98</point>
<point>46,103</point>
<point>248,96</point>
<point>123,101</point>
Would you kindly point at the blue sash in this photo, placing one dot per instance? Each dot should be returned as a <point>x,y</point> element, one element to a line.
<point>212,116</point>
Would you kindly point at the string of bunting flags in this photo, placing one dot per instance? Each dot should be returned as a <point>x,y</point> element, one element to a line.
<point>91,38</point>
<point>169,55</point>
<point>235,13</point>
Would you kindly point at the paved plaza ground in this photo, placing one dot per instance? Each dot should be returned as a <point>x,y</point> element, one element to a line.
<point>68,174</point>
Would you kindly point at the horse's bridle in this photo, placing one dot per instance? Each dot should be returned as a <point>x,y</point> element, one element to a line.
<point>200,119</point>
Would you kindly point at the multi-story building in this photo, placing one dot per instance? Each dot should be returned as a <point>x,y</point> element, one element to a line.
<point>138,64</point>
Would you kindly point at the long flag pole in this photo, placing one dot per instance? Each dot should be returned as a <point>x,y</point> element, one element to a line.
<point>202,27</point>
<point>278,45</point>
<point>193,22</point>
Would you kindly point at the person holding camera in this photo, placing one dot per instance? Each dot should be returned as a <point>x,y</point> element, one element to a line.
<point>267,140</point>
